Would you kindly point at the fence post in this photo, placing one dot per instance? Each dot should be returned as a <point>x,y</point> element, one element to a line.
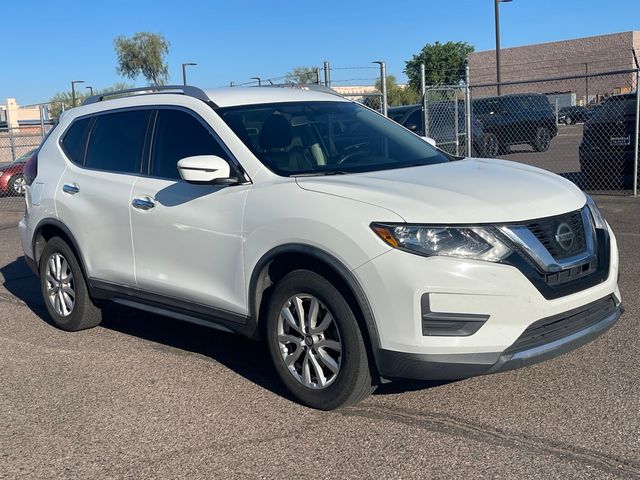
<point>467,111</point>
<point>383,87</point>
<point>456,126</point>
<point>327,74</point>
<point>41,108</point>
<point>12,144</point>
<point>635,149</point>
<point>423,93</point>
<point>557,119</point>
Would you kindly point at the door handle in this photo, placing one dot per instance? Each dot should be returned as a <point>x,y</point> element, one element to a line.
<point>143,203</point>
<point>70,188</point>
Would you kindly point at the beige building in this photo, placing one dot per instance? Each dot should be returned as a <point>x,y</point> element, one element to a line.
<point>577,57</point>
<point>13,115</point>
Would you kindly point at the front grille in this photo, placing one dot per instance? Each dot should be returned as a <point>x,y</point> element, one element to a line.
<point>560,326</point>
<point>545,231</point>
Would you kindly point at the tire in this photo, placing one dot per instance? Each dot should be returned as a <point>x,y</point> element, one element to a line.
<point>490,146</point>
<point>349,379</point>
<point>568,120</point>
<point>542,140</point>
<point>64,288</point>
<point>17,186</point>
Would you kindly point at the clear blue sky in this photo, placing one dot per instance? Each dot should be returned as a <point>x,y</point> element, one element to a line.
<point>45,44</point>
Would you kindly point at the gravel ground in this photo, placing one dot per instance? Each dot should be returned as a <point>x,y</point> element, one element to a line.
<point>142,396</point>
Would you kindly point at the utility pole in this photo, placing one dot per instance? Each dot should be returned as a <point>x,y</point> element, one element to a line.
<point>586,84</point>
<point>497,18</point>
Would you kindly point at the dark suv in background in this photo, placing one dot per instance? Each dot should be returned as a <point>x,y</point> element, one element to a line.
<point>573,114</point>
<point>607,148</point>
<point>514,120</point>
<point>442,126</point>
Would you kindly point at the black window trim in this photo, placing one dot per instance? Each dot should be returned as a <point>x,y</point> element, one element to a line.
<point>145,164</point>
<point>236,167</point>
<point>92,120</point>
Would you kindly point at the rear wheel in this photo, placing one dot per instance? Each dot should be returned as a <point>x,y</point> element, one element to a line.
<point>490,146</point>
<point>542,139</point>
<point>316,344</point>
<point>64,288</point>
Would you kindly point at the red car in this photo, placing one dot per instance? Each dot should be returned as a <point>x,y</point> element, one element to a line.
<point>11,176</point>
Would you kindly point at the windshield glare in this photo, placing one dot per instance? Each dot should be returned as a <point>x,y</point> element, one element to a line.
<point>326,137</point>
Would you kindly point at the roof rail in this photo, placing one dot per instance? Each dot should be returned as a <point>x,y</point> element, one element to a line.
<point>303,86</point>
<point>188,90</point>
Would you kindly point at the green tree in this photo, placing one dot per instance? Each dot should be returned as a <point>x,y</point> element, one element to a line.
<point>143,54</point>
<point>396,94</point>
<point>302,75</point>
<point>444,64</point>
<point>61,99</point>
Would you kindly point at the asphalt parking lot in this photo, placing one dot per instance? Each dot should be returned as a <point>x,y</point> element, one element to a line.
<point>561,157</point>
<point>142,396</point>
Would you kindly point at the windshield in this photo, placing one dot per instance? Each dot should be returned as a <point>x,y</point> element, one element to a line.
<point>615,108</point>
<point>320,138</point>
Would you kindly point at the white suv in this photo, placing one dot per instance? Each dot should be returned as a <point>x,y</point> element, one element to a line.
<point>355,249</point>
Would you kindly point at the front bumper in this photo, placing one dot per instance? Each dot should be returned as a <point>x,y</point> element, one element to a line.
<point>497,304</point>
<point>457,366</point>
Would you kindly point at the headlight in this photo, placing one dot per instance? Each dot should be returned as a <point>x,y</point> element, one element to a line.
<point>476,243</point>
<point>598,219</point>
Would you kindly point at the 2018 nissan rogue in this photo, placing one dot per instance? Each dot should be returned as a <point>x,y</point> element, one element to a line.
<point>355,249</point>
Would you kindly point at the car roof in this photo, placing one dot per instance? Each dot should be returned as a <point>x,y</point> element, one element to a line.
<point>226,96</point>
<point>236,96</point>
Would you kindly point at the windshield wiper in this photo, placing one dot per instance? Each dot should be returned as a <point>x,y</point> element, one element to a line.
<point>320,174</point>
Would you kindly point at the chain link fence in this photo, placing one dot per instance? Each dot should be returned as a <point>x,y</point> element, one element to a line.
<point>16,147</point>
<point>583,127</point>
<point>588,136</point>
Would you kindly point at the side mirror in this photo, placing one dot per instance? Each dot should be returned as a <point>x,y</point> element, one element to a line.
<point>202,169</point>
<point>429,140</point>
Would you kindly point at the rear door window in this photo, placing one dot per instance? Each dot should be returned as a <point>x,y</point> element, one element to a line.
<point>74,140</point>
<point>177,135</point>
<point>116,142</point>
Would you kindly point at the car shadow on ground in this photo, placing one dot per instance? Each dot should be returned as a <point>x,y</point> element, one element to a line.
<point>248,358</point>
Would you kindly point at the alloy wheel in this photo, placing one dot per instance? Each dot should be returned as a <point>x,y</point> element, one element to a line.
<point>60,285</point>
<point>19,185</point>
<point>309,341</point>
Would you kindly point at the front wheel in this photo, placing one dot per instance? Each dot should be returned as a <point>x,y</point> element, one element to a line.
<point>568,120</point>
<point>315,343</point>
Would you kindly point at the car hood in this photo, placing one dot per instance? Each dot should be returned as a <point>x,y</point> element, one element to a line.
<point>15,167</point>
<point>472,190</point>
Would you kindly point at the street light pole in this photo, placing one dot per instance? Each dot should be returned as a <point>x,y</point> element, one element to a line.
<point>90,90</point>
<point>258,79</point>
<point>73,91</point>
<point>184,71</point>
<point>497,17</point>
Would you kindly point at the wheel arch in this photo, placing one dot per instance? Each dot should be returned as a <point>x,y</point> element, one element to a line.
<point>49,228</point>
<point>283,259</point>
